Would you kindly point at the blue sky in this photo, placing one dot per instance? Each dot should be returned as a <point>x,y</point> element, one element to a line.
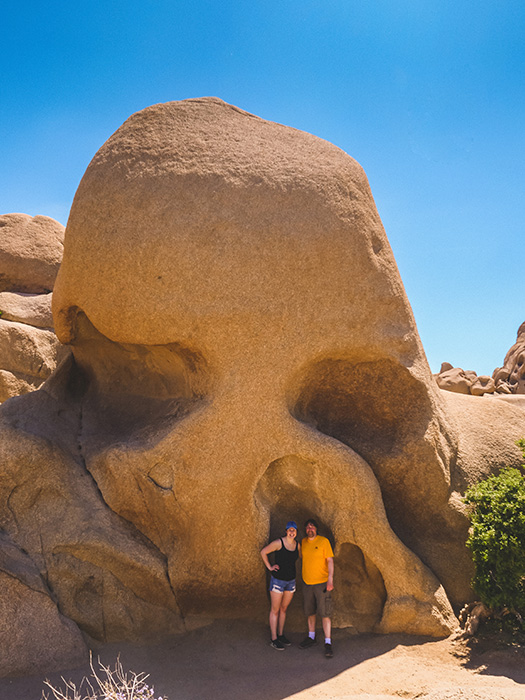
<point>429,96</point>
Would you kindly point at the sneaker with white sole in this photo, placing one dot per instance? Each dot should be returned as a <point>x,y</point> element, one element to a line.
<point>276,644</point>
<point>307,643</point>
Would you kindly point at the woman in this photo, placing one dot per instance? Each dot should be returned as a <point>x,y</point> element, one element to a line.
<point>282,581</point>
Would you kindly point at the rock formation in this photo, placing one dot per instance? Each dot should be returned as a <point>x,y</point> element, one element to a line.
<point>242,352</point>
<point>464,381</point>
<point>30,253</point>
<point>30,256</point>
<point>511,377</point>
<point>41,639</point>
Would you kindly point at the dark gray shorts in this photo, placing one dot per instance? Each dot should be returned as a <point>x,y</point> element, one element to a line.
<point>317,600</point>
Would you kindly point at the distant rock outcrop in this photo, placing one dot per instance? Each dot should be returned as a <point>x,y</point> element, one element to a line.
<point>30,256</point>
<point>462,381</point>
<point>509,379</point>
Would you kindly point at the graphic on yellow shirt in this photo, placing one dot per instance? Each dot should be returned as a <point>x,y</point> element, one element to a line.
<point>315,553</point>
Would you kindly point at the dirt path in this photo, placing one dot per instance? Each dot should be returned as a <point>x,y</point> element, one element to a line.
<point>232,661</point>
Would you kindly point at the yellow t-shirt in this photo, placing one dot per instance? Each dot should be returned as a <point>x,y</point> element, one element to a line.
<point>315,553</point>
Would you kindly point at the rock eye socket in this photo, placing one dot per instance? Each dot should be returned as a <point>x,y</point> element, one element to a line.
<point>132,392</point>
<point>371,406</point>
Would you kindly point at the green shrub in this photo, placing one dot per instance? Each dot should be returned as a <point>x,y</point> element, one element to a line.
<point>497,539</point>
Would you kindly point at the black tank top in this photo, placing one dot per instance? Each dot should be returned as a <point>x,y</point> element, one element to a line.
<point>286,561</point>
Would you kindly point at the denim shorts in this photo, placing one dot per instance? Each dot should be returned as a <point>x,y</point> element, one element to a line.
<point>281,586</point>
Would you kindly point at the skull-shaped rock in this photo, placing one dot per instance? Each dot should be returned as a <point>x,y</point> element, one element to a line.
<point>243,352</point>
<point>248,353</point>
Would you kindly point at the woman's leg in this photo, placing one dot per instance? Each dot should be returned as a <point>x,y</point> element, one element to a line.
<point>275,600</point>
<point>285,602</point>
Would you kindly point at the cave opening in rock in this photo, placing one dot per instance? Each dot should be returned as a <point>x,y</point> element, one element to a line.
<point>285,493</point>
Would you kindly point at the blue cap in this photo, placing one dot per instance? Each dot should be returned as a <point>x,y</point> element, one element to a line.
<point>291,523</point>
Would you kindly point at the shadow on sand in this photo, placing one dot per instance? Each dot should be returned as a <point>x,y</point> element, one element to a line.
<point>489,658</point>
<point>225,660</point>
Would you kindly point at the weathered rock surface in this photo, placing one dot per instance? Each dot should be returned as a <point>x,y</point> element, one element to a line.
<point>30,256</point>
<point>34,636</point>
<point>488,430</point>
<point>106,576</point>
<point>30,252</point>
<point>31,309</point>
<point>243,353</point>
<point>28,356</point>
<point>15,384</point>
<point>28,349</point>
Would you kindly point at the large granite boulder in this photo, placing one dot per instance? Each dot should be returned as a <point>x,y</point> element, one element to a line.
<point>229,293</point>
<point>243,352</point>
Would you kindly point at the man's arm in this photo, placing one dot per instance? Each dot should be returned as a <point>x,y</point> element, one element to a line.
<point>330,582</point>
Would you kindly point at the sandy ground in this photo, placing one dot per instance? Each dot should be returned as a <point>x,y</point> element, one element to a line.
<point>232,660</point>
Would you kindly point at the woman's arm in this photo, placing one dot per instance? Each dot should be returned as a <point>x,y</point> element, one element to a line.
<point>272,547</point>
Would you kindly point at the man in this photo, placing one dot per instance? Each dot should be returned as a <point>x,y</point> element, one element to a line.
<point>318,577</point>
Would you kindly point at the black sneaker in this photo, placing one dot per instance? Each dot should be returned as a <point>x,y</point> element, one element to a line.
<point>328,651</point>
<point>281,638</point>
<point>306,643</point>
<point>276,644</point>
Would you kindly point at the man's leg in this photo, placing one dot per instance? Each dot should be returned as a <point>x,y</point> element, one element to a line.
<point>311,623</point>
<point>309,611</point>
<point>285,602</point>
<point>327,627</point>
<point>326,611</point>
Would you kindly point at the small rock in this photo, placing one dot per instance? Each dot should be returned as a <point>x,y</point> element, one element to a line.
<point>482,385</point>
<point>30,252</point>
<point>456,380</point>
<point>32,309</point>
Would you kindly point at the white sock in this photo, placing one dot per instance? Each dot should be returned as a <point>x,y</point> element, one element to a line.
<point>327,640</point>
<point>311,635</point>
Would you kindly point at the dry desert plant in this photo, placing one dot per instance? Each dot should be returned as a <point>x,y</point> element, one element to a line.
<point>105,684</point>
